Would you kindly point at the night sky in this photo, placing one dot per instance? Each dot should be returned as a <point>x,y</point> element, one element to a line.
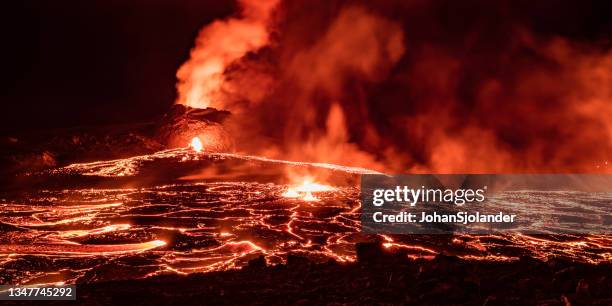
<point>72,63</point>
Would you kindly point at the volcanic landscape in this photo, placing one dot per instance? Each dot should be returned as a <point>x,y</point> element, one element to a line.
<point>162,152</point>
<point>81,224</point>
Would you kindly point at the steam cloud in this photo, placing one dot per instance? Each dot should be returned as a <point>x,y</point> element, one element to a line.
<point>357,84</point>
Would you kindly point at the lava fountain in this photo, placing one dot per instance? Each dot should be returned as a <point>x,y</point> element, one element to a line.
<point>305,190</point>
<point>196,144</point>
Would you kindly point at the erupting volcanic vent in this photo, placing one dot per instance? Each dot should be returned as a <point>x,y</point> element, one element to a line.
<point>280,109</point>
<point>196,144</point>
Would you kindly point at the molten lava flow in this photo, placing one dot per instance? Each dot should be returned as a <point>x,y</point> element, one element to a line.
<point>81,249</point>
<point>306,189</point>
<point>196,144</point>
<point>291,193</point>
<point>309,197</point>
<point>188,227</point>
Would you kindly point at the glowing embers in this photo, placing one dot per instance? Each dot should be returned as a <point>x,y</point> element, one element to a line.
<point>196,144</point>
<point>306,189</point>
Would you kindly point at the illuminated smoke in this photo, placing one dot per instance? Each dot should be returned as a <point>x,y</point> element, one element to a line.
<point>359,47</point>
<point>351,84</point>
<point>200,79</point>
<point>304,114</point>
<point>551,114</point>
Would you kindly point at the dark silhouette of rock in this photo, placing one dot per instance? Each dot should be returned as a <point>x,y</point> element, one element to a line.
<point>257,263</point>
<point>181,123</point>
<point>392,279</point>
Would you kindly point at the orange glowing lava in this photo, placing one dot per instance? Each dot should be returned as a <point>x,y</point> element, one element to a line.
<point>306,189</point>
<point>309,197</point>
<point>196,144</point>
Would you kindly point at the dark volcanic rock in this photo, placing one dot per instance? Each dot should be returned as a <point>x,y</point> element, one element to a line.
<point>182,123</point>
<point>179,111</point>
<point>50,148</point>
<point>394,280</point>
<point>257,263</point>
<point>35,151</point>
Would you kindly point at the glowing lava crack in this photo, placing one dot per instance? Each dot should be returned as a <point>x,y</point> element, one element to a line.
<point>95,234</point>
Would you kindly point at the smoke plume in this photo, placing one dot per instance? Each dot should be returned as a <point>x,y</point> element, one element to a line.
<point>413,86</point>
<point>219,45</point>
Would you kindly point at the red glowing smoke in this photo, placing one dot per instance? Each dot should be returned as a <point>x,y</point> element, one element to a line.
<point>201,79</point>
<point>407,88</point>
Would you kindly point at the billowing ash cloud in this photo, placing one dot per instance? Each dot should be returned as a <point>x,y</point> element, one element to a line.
<point>419,86</point>
<point>219,45</point>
